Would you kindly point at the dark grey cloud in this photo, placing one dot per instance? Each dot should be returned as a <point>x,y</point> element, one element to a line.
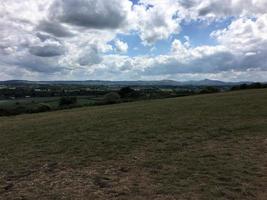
<point>44,37</point>
<point>54,28</point>
<point>217,8</point>
<point>255,60</point>
<point>187,3</point>
<point>47,51</point>
<point>96,14</point>
<point>40,65</point>
<point>33,63</point>
<point>4,49</point>
<point>213,63</point>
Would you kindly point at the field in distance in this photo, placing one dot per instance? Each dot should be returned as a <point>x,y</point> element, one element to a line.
<point>196,147</point>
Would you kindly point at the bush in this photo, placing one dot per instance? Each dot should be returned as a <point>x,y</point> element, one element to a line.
<point>42,107</point>
<point>209,89</point>
<point>4,112</point>
<point>127,92</point>
<point>63,101</point>
<point>111,98</point>
<point>249,86</point>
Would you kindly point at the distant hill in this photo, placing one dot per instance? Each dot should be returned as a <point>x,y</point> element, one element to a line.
<point>205,82</point>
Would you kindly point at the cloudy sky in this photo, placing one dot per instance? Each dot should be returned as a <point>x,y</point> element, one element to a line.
<point>133,40</point>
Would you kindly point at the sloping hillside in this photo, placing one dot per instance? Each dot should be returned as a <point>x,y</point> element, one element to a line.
<point>198,147</point>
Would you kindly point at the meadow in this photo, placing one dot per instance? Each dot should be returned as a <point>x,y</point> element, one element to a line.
<point>42,104</point>
<point>211,146</point>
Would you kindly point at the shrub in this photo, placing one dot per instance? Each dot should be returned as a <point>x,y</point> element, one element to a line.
<point>67,101</point>
<point>42,107</point>
<point>209,89</point>
<point>111,98</point>
<point>4,112</point>
<point>249,86</point>
<point>127,92</point>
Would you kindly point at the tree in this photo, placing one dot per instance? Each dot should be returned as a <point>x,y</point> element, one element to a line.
<point>127,92</point>
<point>42,107</point>
<point>209,89</point>
<point>111,98</point>
<point>63,101</point>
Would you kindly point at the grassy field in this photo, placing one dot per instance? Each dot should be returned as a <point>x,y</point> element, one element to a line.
<point>41,104</point>
<point>197,147</point>
<point>52,101</point>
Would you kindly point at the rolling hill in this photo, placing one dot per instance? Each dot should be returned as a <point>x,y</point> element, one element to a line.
<point>197,147</point>
<point>205,82</point>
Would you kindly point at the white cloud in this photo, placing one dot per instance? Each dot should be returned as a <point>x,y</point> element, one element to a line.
<point>247,40</point>
<point>89,56</point>
<point>157,22</point>
<point>244,34</point>
<point>121,47</point>
<point>70,38</point>
<point>179,48</point>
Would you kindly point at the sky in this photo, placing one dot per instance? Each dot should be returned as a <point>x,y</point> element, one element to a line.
<point>133,40</point>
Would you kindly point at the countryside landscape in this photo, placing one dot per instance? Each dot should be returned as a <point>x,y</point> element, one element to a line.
<point>194,147</point>
<point>133,100</point>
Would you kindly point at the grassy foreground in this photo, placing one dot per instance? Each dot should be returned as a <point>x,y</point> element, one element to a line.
<point>196,147</point>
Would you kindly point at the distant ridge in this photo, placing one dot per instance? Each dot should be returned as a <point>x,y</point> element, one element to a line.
<point>205,82</point>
